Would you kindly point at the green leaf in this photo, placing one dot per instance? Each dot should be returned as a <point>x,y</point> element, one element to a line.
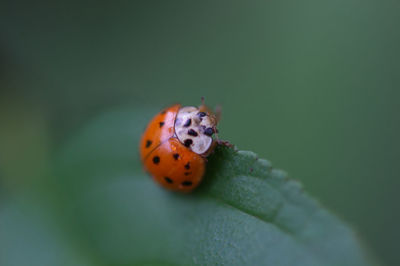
<point>29,235</point>
<point>244,213</point>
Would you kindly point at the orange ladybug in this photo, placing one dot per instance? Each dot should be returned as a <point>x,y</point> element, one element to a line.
<point>175,145</point>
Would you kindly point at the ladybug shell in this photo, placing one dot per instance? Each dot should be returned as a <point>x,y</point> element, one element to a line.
<point>171,164</point>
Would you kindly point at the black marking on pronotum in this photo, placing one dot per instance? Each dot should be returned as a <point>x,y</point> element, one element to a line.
<point>176,156</point>
<point>161,124</point>
<point>188,122</point>
<point>209,131</point>
<point>186,183</point>
<point>193,133</point>
<point>148,143</point>
<point>201,114</point>
<point>169,180</point>
<point>187,173</point>
<point>156,159</point>
<point>187,166</point>
<point>188,142</point>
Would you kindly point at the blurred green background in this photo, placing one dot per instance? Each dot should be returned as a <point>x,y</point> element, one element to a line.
<point>311,85</point>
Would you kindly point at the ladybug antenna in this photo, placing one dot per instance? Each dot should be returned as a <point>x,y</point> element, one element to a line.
<point>202,100</point>
<point>218,112</point>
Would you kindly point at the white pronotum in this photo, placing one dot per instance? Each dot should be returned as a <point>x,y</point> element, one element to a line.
<point>194,129</point>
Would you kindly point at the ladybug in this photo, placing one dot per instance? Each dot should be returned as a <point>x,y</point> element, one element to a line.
<point>175,145</point>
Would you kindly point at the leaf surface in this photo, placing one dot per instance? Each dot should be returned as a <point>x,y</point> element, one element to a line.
<point>244,213</point>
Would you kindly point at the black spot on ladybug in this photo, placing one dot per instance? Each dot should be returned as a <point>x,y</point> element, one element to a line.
<point>148,143</point>
<point>187,166</point>
<point>176,156</point>
<point>156,159</point>
<point>186,183</point>
<point>188,142</point>
<point>161,124</point>
<point>187,173</point>
<point>193,133</point>
<point>188,123</point>
<point>169,180</point>
<point>201,114</point>
<point>209,131</point>
<point>163,112</point>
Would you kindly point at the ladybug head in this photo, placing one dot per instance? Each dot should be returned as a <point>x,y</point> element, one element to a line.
<point>195,127</point>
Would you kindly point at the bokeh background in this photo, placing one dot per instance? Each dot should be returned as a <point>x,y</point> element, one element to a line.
<point>311,85</point>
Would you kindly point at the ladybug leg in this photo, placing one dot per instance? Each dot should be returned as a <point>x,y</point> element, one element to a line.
<point>225,143</point>
<point>219,141</point>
